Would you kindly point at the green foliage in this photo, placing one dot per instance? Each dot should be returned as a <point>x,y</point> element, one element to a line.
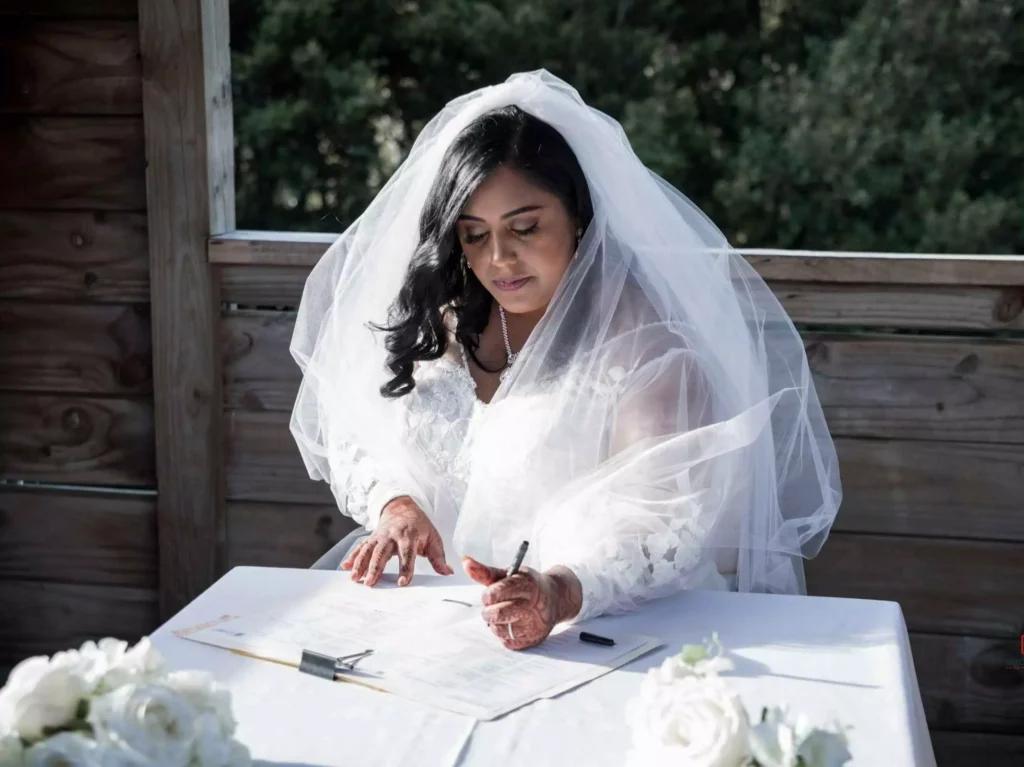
<point>905,137</point>
<point>854,124</point>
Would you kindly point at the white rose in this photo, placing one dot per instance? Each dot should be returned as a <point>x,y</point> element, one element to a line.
<point>149,719</point>
<point>774,741</point>
<point>214,749</point>
<point>12,753</point>
<point>201,690</point>
<point>824,748</point>
<point>42,693</point>
<point>215,746</point>
<point>688,721</point>
<point>141,663</point>
<point>99,657</point>
<point>778,742</point>
<point>65,749</point>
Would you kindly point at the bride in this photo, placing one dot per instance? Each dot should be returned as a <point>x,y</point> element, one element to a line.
<point>529,336</point>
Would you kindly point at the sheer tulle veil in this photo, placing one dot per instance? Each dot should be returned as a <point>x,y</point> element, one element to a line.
<point>672,425</point>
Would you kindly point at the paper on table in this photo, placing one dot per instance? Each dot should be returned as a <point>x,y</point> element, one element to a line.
<point>335,622</point>
<point>463,668</point>
<point>435,652</point>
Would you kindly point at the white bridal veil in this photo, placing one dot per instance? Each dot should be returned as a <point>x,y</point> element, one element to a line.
<point>659,427</point>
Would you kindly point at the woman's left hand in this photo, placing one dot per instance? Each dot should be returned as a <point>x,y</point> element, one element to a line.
<point>521,610</point>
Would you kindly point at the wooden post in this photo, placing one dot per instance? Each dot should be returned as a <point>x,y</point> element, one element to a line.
<point>186,91</point>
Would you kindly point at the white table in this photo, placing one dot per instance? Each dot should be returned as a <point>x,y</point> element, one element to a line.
<point>824,656</point>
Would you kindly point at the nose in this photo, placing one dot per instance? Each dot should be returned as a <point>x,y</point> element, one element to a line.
<point>502,252</point>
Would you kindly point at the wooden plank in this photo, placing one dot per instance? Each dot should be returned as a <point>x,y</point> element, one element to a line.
<point>902,306</point>
<point>970,683</point>
<point>74,256</point>
<point>94,349</point>
<point>896,387</point>
<point>72,162</point>
<point>77,440</point>
<point>904,387</point>
<point>42,618</point>
<point>259,372</point>
<point>888,268</point>
<point>969,749</point>
<point>186,93</point>
<point>959,490</point>
<point>294,249</point>
<point>262,285</point>
<point>944,586</point>
<point>78,537</point>
<point>262,461</point>
<point>70,67</point>
<point>931,488</point>
<point>116,9</point>
<point>305,248</point>
<point>282,535</point>
<point>215,57</point>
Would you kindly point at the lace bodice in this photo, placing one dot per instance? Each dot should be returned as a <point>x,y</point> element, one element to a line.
<point>456,433</point>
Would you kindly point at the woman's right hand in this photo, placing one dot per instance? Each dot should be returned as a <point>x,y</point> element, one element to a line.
<point>404,529</point>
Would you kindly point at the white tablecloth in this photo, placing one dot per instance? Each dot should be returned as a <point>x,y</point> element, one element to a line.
<point>827,657</point>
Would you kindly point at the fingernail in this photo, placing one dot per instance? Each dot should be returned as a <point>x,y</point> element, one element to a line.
<point>402,581</point>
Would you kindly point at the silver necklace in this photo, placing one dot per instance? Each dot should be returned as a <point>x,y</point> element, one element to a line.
<point>508,347</point>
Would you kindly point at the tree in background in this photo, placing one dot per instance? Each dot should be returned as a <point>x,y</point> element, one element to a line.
<point>903,134</point>
<point>854,124</point>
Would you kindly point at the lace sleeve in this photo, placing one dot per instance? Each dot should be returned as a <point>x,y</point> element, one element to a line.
<point>648,522</point>
<point>361,487</point>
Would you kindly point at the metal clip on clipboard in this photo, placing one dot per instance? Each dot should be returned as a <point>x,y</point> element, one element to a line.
<point>327,667</point>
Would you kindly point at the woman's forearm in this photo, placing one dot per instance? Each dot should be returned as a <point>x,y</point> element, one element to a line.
<point>567,593</point>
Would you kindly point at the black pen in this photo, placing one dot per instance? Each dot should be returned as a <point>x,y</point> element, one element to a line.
<point>520,555</point>
<point>586,636</point>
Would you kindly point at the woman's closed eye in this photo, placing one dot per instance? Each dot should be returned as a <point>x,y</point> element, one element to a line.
<point>527,231</point>
<point>472,238</point>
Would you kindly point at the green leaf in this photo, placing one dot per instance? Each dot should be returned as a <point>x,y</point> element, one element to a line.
<point>692,654</point>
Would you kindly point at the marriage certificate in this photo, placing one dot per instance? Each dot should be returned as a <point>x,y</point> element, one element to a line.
<point>428,644</point>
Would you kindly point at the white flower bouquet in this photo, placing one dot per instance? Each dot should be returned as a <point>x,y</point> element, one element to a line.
<point>108,704</point>
<point>687,715</point>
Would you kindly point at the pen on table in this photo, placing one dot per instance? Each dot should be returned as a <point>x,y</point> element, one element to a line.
<point>586,636</point>
<point>520,555</point>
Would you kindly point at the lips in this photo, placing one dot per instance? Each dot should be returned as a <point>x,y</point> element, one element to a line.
<point>510,285</point>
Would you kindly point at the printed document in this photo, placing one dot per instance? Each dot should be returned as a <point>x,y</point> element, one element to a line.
<point>429,644</point>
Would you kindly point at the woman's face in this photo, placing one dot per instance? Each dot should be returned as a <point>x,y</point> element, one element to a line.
<point>518,239</point>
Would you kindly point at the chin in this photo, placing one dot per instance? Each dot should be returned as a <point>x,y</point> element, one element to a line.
<point>520,304</point>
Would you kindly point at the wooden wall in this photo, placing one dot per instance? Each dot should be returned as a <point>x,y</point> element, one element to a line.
<point>76,392</point>
<point>925,403</point>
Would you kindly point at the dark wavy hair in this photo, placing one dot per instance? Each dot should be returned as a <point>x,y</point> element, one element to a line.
<point>506,137</point>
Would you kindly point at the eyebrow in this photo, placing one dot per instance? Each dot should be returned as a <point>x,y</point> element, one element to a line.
<point>516,212</point>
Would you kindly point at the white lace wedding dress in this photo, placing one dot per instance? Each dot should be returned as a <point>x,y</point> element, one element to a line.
<point>454,430</point>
